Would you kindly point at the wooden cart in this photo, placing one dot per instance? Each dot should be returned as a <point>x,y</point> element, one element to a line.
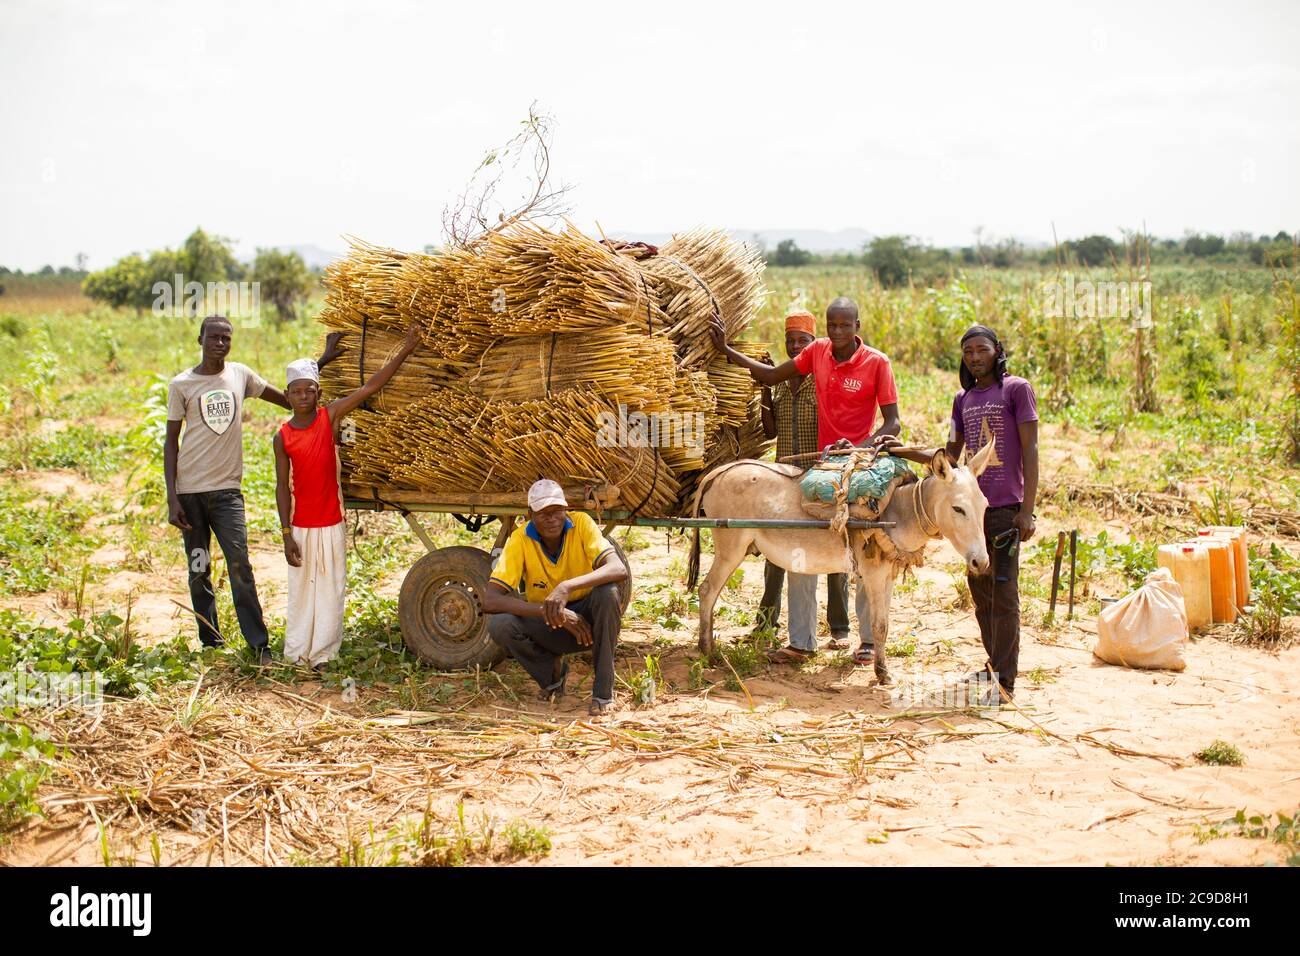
<point>440,606</point>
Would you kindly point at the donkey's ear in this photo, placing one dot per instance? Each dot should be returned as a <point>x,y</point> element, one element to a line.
<point>963,455</point>
<point>940,466</point>
<point>981,459</point>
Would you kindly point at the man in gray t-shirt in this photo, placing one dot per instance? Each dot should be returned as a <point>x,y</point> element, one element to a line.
<point>211,405</point>
<point>204,472</point>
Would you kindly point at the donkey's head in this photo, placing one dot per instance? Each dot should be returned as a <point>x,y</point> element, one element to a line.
<point>957,506</point>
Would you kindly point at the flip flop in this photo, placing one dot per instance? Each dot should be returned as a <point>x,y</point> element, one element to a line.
<point>837,643</point>
<point>789,655</point>
<point>865,655</point>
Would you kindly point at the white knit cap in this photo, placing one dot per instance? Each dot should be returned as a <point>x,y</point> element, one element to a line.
<point>302,368</point>
<point>545,493</point>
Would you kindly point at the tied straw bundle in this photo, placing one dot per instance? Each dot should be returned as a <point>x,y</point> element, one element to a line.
<point>361,290</point>
<point>454,442</point>
<point>422,371</point>
<point>633,369</point>
<point>528,280</point>
<point>694,404</point>
<point>696,272</point>
<point>736,390</point>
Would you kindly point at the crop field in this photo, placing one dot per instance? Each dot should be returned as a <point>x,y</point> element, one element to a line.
<point>199,757</point>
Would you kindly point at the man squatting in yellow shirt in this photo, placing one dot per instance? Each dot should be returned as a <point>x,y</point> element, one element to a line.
<point>554,591</point>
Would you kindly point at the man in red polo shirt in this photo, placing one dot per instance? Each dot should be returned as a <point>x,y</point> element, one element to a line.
<point>852,378</point>
<point>852,381</point>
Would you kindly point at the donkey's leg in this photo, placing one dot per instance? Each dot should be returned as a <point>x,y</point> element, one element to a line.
<point>729,547</point>
<point>877,578</point>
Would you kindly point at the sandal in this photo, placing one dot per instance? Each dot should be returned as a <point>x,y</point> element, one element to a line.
<point>838,642</point>
<point>789,655</point>
<point>865,655</point>
<point>597,709</point>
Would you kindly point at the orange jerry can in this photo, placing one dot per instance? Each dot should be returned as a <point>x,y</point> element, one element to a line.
<point>1241,558</point>
<point>1223,576</point>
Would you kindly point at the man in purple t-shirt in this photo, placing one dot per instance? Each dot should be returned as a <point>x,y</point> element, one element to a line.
<point>997,407</point>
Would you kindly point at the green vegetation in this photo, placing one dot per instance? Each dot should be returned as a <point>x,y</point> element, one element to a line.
<point>663,604</point>
<point>431,841</point>
<point>904,646</point>
<point>102,644</point>
<point>643,685</point>
<point>1221,754</point>
<point>43,545</point>
<point>23,765</point>
<point>1097,556</point>
<point>1275,593</point>
<point>1282,830</point>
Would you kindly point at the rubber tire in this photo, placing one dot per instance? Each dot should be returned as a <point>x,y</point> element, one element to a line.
<point>440,609</point>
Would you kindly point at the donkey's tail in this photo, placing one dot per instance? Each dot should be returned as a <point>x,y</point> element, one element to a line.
<point>693,562</point>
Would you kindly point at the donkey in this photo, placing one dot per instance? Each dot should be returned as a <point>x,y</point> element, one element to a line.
<point>946,503</point>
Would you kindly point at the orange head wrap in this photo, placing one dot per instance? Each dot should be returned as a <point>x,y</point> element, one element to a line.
<point>801,320</point>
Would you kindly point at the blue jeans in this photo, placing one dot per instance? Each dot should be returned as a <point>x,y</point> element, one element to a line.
<point>221,512</point>
<point>803,612</point>
<point>769,608</point>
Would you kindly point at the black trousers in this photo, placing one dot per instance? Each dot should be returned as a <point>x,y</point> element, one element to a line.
<point>769,608</point>
<point>222,513</point>
<point>997,599</point>
<point>536,645</point>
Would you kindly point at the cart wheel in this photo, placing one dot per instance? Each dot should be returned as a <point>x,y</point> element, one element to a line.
<point>624,587</point>
<point>441,609</point>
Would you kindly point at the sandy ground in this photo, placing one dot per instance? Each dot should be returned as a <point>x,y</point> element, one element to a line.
<point>816,765</point>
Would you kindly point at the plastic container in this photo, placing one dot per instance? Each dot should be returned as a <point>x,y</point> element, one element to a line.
<point>1190,566</point>
<point>1223,576</point>
<point>1241,558</point>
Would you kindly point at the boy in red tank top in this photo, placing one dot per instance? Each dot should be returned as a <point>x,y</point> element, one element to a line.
<point>311,507</point>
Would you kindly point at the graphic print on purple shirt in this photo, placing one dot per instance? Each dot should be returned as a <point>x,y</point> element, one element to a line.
<point>994,413</point>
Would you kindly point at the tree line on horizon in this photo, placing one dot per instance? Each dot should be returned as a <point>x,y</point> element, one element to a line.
<point>895,259</point>
<point>287,282</point>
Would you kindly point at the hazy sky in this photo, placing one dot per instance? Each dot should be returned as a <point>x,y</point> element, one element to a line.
<point>126,124</point>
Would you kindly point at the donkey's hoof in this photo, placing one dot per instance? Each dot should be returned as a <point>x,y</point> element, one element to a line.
<point>883,677</point>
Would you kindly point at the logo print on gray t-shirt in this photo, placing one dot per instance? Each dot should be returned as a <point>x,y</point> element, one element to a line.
<point>217,409</point>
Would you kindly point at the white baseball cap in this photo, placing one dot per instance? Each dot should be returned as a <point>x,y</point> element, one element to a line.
<point>545,493</point>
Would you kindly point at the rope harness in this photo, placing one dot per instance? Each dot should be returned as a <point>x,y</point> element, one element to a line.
<point>918,508</point>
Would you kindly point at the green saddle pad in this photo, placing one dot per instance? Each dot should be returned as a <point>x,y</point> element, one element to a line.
<point>818,484</point>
